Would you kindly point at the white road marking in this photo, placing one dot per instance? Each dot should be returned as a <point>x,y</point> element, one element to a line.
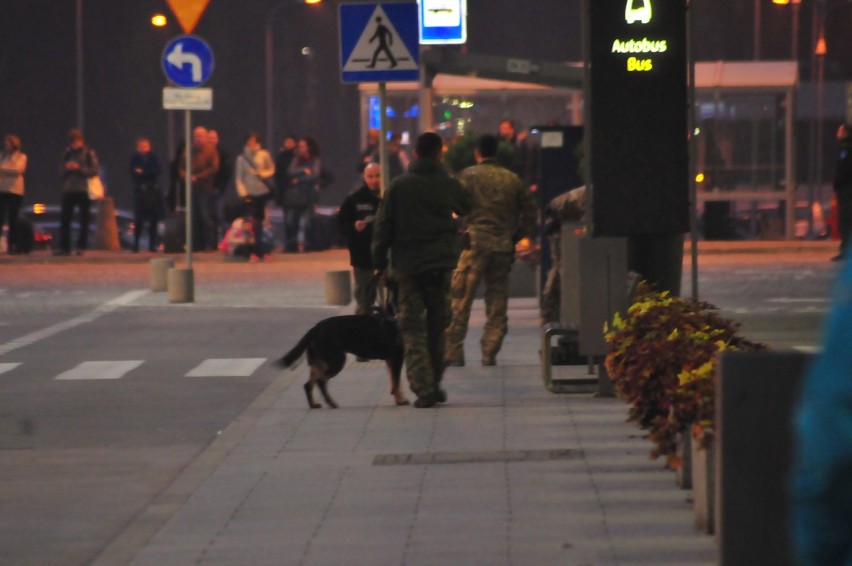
<point>99,311</point>
<point>792,300</point>
<point>99,370</point>
<point>224,367</point>
<point>8,366</point>
<point>808,349</point>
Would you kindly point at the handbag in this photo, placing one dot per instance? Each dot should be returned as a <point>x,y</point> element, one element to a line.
<point>96,187</point>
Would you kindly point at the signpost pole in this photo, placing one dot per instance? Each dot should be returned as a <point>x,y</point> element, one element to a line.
<point>188,195</point>
<point>383,135</point>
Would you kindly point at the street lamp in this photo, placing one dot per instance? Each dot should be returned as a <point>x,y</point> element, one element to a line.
<point>270,18</point>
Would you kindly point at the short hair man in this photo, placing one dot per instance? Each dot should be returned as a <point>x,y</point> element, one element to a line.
<point>504,210</point>
<point>355,220</point>
<point>415,223</point>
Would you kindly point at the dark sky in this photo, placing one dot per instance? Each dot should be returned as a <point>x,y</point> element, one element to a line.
<point>124,80</point>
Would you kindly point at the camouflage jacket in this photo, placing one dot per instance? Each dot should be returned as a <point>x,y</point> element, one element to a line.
<point>504,211</point>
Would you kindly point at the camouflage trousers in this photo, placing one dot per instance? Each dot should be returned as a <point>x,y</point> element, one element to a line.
<point>475,266</point>
<point>366,286</point>
<point>423,310</point>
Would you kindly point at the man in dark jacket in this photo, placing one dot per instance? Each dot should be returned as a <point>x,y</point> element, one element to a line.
<point>843,188</point>
<point>204,164</point>
<point>415,222</point>
<point>147,198</point>
<point>355,219</point>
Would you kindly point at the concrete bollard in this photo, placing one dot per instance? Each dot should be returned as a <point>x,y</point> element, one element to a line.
<point>106,228</point>
<point>338,288</point>
<point>158,273</point>
<point>181,286</point>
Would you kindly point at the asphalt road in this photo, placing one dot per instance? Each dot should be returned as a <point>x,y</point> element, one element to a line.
<point>107,392</point>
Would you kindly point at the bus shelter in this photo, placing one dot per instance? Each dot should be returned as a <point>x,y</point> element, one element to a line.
<point>743,144</point>
<point>744,148</point>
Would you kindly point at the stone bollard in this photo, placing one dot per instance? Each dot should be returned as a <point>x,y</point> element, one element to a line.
<point>158,272</point>
<point>181,286</point>
<point>106,229</point>
<point>338,288</point>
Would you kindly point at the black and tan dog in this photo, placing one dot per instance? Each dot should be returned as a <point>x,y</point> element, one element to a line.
<point>327,343</point>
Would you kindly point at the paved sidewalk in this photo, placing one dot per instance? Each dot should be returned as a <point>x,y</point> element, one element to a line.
<point>504,473</point>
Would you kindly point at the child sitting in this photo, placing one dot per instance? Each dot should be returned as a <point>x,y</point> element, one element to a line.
<point>239,240</point>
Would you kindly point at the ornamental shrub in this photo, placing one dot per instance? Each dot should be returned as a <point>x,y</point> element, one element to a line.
<point>662,362</point>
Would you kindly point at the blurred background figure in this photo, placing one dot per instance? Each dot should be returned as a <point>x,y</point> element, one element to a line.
<point>77,164</point>
<point>147,196</point>
<point>204,165</point>
<point>222,179</point>
<point>282,164</point>
<point>254,170</point>
<point>301,194</point>
<point>13,165</point>
<point>843,187</point>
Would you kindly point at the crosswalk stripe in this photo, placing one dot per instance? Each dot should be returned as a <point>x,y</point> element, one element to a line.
<point>99,370</point>
<point>33,337</point>
<point>8,366</point>
<point>226,367</point>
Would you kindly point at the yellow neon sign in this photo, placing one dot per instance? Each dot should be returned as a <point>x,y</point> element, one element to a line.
<point>642,14</point>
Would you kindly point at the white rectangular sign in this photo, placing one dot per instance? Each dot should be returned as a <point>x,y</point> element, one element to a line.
<point>443,22</point>
<point>187,98</point>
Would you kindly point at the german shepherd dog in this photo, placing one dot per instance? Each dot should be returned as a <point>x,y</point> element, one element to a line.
<point>371,336</point>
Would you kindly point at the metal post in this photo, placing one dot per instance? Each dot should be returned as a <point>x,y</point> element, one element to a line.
<point>587,113</point>
<point>79,47</point>
<point>269,79</point>
<point>812,122</point>
<point>794,46</point>
<point>691,121</point>
<point>425,96</point>
<point>383,137</point>
<point>757,26</point>
<point>188,195</point>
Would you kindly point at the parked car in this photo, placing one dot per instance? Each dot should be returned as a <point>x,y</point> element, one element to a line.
<point>45,219</point>
<point>29,237</point>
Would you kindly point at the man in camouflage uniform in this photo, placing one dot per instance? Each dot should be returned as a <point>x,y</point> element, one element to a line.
<point>415,222</point>
<point>504,210</point>
<point>567,207</point>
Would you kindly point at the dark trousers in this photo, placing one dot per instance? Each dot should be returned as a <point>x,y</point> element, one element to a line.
<point>70,201</point>
<point>10,204</point>
<point>844,221</point>
<point>143,215</point>
<point>256,206</point>
<point>205,220</point>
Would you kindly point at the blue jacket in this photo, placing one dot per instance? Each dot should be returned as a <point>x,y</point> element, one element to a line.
<point>822,476</point>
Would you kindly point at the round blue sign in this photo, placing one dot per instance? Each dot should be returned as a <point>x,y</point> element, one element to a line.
<point>188,61</point>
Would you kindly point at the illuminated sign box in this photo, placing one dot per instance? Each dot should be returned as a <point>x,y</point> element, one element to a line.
<point>443,22</point>
<point>639,108</point>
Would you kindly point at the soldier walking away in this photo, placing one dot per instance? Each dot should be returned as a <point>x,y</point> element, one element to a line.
<point>504,211</point>
<point>415,222</point>
<point>385,37</point>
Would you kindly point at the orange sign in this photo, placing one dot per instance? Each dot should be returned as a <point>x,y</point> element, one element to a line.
<point>188,12</point>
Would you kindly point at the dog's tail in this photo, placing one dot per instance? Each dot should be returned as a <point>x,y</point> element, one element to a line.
<point>293,358</point>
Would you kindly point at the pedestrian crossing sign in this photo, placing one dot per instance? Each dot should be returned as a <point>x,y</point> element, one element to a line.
<point>379,42</point>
